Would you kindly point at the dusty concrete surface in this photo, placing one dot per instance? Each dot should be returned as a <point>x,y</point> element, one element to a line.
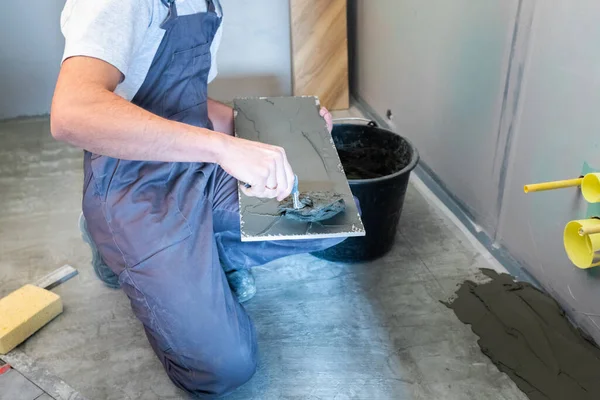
<point>326,330</point>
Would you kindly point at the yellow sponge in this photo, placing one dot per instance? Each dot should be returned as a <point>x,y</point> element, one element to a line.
<point>23,312</point>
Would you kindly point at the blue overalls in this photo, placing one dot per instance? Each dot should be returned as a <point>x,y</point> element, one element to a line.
<point>168,230</point>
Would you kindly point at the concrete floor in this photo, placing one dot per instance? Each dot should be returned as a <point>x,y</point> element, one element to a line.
<point>327,331</point>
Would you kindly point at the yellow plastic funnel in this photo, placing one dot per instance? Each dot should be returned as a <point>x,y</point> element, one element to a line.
<point>582,250</point>
<point>590,187</point>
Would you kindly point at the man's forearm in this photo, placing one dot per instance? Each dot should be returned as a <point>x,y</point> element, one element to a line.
<point>94,118</point>
<point>112,126</point>
<point>221,116</point>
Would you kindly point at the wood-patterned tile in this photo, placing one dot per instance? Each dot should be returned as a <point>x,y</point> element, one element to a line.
<point>320,51</point>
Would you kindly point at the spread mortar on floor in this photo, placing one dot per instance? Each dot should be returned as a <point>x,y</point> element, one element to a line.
<point>528,336</point>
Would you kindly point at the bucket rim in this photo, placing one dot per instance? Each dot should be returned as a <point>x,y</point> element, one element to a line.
<point>415,157</point>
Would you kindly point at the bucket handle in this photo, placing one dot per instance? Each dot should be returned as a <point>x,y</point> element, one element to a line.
<point>368,121</point>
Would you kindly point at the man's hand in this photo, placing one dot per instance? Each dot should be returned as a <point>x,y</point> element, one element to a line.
<point>264,167</point>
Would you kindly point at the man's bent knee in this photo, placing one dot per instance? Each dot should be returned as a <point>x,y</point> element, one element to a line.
<point>214,375</point>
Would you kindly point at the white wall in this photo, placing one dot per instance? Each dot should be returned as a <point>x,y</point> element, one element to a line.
<point>30,51</point>
<point>254,58</point>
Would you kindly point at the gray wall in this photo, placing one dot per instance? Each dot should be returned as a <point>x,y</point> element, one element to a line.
<point>30,50</point>
<point>254,58</point>
<point>255,54</point>
<point>495,95</point>
<point>440,67</point>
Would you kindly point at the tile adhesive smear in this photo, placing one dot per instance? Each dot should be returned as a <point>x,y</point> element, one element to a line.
<point>310,206</point>
<point>528,336</point>
<point>316,206</point>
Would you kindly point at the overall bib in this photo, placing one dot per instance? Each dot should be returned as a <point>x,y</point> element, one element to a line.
<point>168,230</point>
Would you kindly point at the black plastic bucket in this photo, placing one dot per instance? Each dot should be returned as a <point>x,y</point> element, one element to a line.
<point>378,163</point>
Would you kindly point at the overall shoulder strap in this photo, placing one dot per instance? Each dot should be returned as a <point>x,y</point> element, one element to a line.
<point>210,6</point>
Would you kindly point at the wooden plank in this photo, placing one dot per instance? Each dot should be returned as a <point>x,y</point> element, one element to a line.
<point>320,51</point>
<point>294,123</point>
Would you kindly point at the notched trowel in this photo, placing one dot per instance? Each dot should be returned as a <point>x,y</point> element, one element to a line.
<point>296,195</point>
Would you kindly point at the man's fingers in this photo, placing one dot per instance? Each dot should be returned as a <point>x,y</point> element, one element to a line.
<point>260,191</point>
<point>282,177</point>
<point>328,118</point>
<point>253,191</point>
<point>271,181</point>
<point>271,177</point>
<point>269,194</point>
<point>289,173</point>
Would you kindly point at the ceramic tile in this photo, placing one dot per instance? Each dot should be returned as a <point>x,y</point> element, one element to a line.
<point>294,123</point>
<point>13,386</point>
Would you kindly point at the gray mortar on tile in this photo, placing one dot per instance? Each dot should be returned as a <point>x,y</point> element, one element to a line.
<point>294,123</point>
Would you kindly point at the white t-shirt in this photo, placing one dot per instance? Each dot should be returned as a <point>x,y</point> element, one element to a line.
<point>125,33</point>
